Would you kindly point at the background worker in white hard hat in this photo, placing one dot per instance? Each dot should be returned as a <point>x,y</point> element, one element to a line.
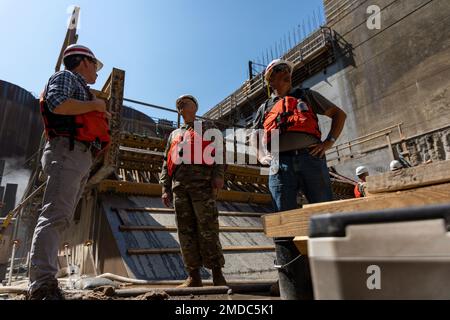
<point>66,161</point>
<point>193,187</point>
<point>395,165</point>
<point>362,173</point>
<point>301,157</point>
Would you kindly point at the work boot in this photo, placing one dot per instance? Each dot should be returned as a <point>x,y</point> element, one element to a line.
<point>46,291</point>
<point>194,280</point>
<point>218,278</point>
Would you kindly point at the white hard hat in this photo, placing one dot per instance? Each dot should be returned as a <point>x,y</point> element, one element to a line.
<point>74,49</point>
<point>275,63</point>
<point>395,165</point>
<point>361,170</point>
<point>186,96</point>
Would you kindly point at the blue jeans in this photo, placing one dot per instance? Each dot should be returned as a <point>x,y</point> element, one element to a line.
<point>301,171</point>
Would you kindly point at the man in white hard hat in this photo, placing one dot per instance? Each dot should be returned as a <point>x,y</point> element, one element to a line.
<point>193,187</point>
<point>301,149</point>
<point>395,165</point>
<point>362,173</point>
<point>301,159</point>
<point>67,105</point>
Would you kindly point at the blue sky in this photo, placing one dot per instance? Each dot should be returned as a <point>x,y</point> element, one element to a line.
<point>167,48</point>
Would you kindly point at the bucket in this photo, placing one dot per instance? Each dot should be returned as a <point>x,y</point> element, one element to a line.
<point>293,271</point>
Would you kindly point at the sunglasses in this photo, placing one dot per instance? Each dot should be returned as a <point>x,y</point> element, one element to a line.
<point>94,61</point>
<point>280,68</point>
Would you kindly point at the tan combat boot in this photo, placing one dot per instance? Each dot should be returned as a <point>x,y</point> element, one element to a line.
<point>218,278</point>
<point>194,280</point>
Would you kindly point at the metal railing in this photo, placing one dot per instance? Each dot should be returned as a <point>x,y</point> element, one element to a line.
<point>297,55</point>
<point>345,150</point>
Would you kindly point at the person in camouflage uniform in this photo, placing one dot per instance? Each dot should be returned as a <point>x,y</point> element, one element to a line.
<point>193,189</point>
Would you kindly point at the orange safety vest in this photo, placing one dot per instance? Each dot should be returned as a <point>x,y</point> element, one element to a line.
<point>176,154</point>
<point>292,115</point>
<point>88,127</point>
<point>359,193</point>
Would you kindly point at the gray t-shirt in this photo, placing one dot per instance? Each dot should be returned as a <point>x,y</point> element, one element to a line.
<point>296,140</point>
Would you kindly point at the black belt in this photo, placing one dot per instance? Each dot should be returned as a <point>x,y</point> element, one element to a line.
<point>296,152</point>
<point>89,145</point>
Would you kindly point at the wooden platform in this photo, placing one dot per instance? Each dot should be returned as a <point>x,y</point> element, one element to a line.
<point>418,186</point>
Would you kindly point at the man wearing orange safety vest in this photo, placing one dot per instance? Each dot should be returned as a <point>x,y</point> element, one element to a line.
<point>299,164</point>
<point>191,179</point>
<point>76,127</point>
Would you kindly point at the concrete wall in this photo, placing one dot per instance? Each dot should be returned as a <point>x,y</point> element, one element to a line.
<point>20,122</point>
<point>401,73</point>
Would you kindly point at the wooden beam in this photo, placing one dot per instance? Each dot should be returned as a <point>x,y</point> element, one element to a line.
<point>302,244</point>
<point>245,197</point>
<point>135,141</point>
<point>100,94</point>
<point>145,189</point>
<point>172,211</point>
<point>174,228</point>
<point>178,250</point>
<point>106,163</point>
<point>154,190</point>
<point>410,178</point>
<point>296,222</point>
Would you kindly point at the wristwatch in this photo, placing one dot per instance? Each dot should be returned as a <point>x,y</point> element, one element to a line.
<point>331,138</point>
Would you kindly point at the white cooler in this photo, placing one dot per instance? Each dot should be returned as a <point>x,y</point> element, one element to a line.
<point>392,254</point>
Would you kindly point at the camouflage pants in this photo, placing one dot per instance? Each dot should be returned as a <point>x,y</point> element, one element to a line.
<point>197,221</point>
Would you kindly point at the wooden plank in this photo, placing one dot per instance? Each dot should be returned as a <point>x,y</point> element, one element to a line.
<point>171,211</point>
<point>409,178</point>
<point>100,94</point>
<point>302,244</point>
<point>177,250</point>
<point>123,217</point>
<point>145,189</point>
<point>296,222</point>
<point>107,162</point>
<point>244,197</point>
<point>326,204</point>
<point>154,190</point>
<point>174,228</point>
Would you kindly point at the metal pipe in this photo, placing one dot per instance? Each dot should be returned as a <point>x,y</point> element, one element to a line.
<point>11,266</point>
<point>174,111</point>
<point>150,105</point>
<point>118,278</point>
<point>66,253</point>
